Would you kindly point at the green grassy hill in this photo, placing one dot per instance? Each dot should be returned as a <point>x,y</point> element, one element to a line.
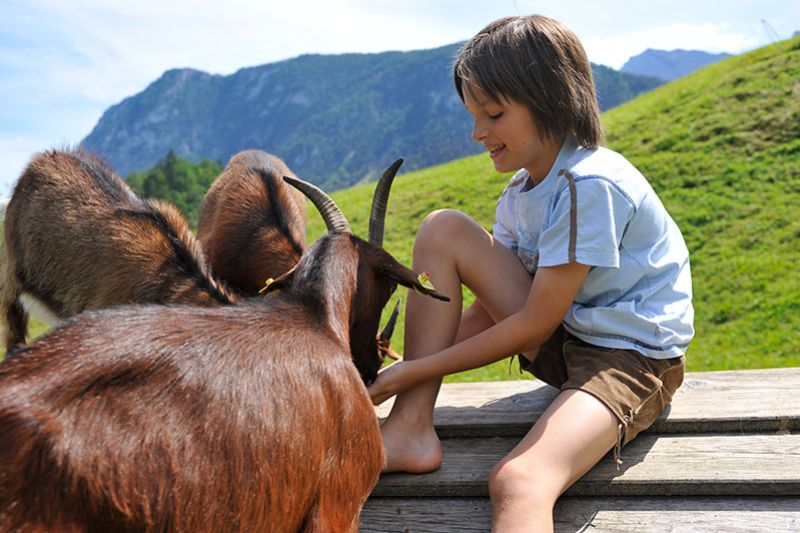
<point>722,149</point>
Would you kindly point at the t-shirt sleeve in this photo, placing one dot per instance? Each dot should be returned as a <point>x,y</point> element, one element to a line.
<point>602,214</point>
<point>504,222</point>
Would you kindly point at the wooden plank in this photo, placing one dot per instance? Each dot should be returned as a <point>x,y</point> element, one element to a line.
<point>654,465</point>
<point>572,514</point>
<point>728,401</point>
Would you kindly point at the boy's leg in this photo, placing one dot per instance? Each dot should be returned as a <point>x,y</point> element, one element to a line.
<point>608,396</point>
<point>572,435</point>
<point>453,249</point>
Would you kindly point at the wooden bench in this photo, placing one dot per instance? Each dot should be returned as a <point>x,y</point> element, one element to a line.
<point>724,457</point>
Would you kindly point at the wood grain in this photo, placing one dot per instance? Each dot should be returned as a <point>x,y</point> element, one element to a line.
<point>572,514</point>
<point>652,465</point>
<point>724,457</point>
<point>730,401</point>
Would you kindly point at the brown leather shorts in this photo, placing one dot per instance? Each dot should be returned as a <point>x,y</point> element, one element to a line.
<point>634,387</point>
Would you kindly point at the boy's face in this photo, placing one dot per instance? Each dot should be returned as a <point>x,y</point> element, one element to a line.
<point>509,132</point>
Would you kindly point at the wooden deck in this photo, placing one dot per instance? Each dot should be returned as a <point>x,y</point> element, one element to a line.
<point>724,457</point>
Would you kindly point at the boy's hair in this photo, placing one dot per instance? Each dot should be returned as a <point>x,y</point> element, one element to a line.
<point>541,63</point>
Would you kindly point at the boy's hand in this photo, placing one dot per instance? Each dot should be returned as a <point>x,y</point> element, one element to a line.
<point>391,380</point>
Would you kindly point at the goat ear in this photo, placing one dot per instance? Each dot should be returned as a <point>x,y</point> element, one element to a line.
<point>408,278</point>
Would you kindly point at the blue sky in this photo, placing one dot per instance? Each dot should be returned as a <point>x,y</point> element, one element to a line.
<point>64,62</point>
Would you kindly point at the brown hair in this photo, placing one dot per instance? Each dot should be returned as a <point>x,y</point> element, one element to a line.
<point>539,62</point>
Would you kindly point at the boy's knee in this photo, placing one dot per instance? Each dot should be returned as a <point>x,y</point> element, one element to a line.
<point>517,480</point>
<point>441,226</point>
<point>507,478</point>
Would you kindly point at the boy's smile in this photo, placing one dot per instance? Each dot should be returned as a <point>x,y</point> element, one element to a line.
<point>509,132</point>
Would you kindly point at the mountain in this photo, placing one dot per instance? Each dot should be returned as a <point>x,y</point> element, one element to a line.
<point>669,65</point>
<point>336,120</point>
<point>722,150</point>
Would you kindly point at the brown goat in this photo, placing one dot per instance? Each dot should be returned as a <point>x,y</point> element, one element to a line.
<point>252,224</point>
<point>78,238</point>
<point>178,418</point>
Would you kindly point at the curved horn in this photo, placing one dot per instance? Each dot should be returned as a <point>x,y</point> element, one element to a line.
<point>379,200</point>
<point>331,214</point>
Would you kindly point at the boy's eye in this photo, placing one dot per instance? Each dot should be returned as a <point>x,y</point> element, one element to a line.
<point>496,116</point>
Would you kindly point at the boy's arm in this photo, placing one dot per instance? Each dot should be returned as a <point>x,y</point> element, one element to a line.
<point>552,293</point>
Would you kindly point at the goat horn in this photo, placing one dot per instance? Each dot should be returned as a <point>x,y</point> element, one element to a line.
<point>388,330</point>
<point>331,214</point>
<point>385,337</point>
<point>379,200</point>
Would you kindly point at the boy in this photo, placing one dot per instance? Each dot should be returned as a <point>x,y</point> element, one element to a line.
<point>586,277</point>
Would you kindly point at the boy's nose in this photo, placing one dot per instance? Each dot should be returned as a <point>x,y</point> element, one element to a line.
<point>478,130</point>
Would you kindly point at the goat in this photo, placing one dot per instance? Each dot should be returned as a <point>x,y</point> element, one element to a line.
<point>78,238</point>
<point>252,224</point>
<point>249,417</point>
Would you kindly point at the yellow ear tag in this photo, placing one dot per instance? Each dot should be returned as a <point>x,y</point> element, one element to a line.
<point>425,280</point>
<point>267,283</point>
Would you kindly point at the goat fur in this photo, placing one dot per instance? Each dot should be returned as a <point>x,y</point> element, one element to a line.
<point>249,417</point>
<point>78,238</point>
<point>252,223</point>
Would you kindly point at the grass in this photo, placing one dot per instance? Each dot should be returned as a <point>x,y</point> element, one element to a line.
<point>722,148</point>
<point>470,184</point>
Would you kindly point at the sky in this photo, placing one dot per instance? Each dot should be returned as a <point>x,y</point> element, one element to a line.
<point>64,62</point>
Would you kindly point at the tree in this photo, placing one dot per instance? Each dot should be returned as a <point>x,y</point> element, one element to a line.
<point>179,181</point>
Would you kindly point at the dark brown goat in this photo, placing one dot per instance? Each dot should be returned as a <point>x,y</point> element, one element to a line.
<point>177,418</point>
<point>252,224</point>
<point>78,238</point>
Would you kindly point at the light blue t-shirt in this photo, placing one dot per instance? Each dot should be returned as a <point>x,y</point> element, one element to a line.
<point>595,208</point>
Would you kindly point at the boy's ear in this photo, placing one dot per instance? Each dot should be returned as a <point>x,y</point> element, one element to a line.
<point>408,278</point>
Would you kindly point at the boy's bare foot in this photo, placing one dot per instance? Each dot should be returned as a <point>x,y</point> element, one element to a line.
<point>410,448</point>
